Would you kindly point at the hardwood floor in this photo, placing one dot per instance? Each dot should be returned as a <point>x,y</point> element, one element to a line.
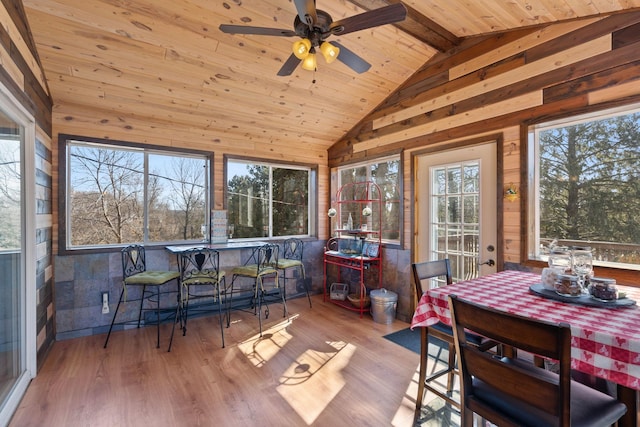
<point>324,367</point>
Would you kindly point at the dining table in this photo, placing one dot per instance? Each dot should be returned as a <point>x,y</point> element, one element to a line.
<point>605,338</point>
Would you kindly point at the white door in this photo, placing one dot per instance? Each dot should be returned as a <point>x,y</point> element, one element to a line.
<point>456,209</point>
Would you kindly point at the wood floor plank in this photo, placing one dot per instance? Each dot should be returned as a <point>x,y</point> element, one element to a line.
<point>323,366</point>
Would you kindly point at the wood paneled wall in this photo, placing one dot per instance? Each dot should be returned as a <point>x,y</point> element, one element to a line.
<point>22,76</point>
<point>497,85</point>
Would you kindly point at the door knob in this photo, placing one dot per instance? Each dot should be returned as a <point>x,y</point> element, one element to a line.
<point>489,262</point>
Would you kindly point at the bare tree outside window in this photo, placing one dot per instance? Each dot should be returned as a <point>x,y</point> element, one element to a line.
<point>179,211</point>
<point>108,193</point>
<point>10,191</point>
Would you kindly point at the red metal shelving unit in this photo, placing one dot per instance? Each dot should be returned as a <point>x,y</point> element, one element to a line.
<point>357,243</point>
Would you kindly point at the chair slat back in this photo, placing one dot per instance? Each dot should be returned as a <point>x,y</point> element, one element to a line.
<point>267,257</point>
<point>531,385</point>
<point>202,264</point>
<point>292,249</point>
<point>133,260</point>
<point>423,271</point>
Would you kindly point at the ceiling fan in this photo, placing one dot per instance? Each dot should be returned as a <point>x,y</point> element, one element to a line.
<point>314,26</point>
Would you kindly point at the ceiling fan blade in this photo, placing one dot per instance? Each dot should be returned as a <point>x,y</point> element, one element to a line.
<point>385,15</point>
<point>351,60</point>
<point>307,11</point>
<point>289,65</point>
<point>261,31</point>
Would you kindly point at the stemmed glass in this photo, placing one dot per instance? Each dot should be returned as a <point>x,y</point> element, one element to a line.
<point>582,263</point>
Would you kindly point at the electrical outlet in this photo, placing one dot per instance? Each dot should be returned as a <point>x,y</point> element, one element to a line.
<point>105,302</point>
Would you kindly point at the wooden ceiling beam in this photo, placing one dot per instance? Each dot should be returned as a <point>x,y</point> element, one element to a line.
<point>417,25</point>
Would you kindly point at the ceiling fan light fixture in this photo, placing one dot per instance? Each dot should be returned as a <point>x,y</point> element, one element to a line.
<point>309,63</point>
<point>301,48</point>
<point>329,51</point>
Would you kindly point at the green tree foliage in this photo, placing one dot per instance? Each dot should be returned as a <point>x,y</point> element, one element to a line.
<point>257,194</point>
<point>589,183</point>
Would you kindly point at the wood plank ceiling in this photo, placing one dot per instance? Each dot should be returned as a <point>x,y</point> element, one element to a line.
<point>166,62</point>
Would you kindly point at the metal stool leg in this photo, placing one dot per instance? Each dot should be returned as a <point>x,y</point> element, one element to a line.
<point>113,320</point>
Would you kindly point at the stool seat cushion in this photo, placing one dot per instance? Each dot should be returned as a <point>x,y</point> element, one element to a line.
<point>288,263</point>
<point>200,279</point>
<point>252,271</point>
<point>151,278</point>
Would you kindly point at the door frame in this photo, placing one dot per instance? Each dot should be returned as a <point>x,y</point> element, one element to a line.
<point>499,143</point>
<point>20,115</point>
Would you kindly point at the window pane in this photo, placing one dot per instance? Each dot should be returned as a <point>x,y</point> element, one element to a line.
<point>453,180</point>
<point>589,186</point>
<point>267,200</point>
<point>106,196</point>
<point>290,205</point>
<point>248,204</point>
<point>114,193</point>
<point>385,174</point>
<point>349,176</point>
<point>453,209</point>
<point>10,192</point>
<point>471,179</point>
<point>176,198</point>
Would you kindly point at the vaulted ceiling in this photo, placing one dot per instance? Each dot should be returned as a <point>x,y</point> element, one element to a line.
<point>167,62</point>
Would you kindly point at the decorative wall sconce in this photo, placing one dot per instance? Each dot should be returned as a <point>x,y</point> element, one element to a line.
<point>511,193</point>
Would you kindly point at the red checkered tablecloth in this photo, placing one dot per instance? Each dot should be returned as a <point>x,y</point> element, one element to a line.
<point>605,342</point>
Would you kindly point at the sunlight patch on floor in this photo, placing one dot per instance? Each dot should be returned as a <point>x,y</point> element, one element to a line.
<point>259,350</point>
<point>315,379</point>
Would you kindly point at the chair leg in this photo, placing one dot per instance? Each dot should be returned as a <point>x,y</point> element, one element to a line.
<point>177,318</point>
<point>424,351</point>
<point>306,287</point>
<point>144,290</point>
<point>185,310</point>
<point>283,295</point>
<point>113,320</point>
<point>259,296</point>
<point>158,317</point>
<point>452,364</point>
<point>220,314</point>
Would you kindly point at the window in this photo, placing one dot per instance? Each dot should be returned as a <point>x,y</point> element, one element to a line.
<point>121,195</point>
<point>386,173</point>
<point>586,188</point>
<point>267,200</point>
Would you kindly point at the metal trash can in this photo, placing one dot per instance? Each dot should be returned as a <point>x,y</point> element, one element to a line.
<point>383,305</point>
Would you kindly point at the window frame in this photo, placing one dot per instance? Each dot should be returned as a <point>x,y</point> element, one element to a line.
<point>312,195</point>
<point>368,164</point>
<point>531,154</point>
<point>64,246</point>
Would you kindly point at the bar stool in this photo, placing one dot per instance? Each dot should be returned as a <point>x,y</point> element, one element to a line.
<point>201,279</point>
<point>265,267</point>
<point>134,273</point>
<point>292,259</point>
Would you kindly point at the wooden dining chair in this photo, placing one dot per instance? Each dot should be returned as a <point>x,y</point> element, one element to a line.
<point>202,286</point>
<point>423,273</point>
<point>136,275</point>
<point>510,391</point>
